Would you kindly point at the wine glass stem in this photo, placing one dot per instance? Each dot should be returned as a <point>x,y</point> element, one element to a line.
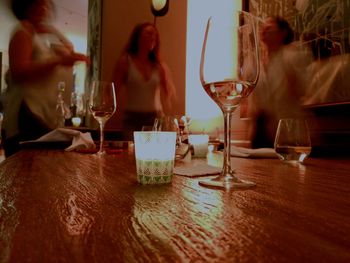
<point>102,126</point>
<point>227,144</point>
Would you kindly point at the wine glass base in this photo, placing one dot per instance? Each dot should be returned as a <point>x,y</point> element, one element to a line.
<point>227,184</point>
<point>101,153</point>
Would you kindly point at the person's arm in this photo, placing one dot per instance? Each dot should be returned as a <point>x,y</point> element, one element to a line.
<point>62,38</point>
<point>24,68</point>
<point>67,49</point>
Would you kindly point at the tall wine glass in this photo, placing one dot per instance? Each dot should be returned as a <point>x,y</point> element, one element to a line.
<point>229,71</point>
<point>102,104</point>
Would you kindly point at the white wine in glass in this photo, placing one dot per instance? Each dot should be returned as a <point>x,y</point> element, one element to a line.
<point>102,105</point>
<point>229,71</point>
<point>292,142</point>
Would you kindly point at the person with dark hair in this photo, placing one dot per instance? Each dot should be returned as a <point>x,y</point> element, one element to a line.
<point>145,86</point>
<point>281,83</point>
<point>39,56</point>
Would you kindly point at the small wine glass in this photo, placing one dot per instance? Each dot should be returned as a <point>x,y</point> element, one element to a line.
<point>147,128</point>
<point>292,142</point>
<point>168,123</point>
<point>172,123</point>
<point>229,71</point>
<point>102,105</point>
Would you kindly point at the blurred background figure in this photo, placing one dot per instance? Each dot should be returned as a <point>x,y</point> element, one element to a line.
<point>39,58</point>
<point>143,80</point>
<point>281,83</point>
<point>329,73</point>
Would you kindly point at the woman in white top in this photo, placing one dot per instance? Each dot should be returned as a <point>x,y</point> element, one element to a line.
<point>144,80</point>
<point>35,69</point>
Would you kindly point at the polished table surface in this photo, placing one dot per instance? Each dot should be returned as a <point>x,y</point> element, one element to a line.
<point>58,206</point>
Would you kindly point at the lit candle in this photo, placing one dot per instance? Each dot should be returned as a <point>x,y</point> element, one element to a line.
<point>210,148</point>
<point>158,4</point>
<point>154,154</point>
<point>76,121</point>
<point>200,144</point>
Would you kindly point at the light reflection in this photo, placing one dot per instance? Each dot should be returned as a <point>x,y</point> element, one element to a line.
<point>76,221</point>
<point>158,4</point>
<point>76,213</point>
<point>206,116</point>
<point>198,12</point>
<point>154,219</point>
<point>76,121</point>
<point>204,202</point>
<point>181,223</point>
<point>215,158</point>
<point>302,172</point>
<point>8,223</point>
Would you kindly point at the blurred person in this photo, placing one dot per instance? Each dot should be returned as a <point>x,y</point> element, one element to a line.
<point>281,82</point>
<point>143,81</point>
<point>39,57</point>
<point>329,72</point>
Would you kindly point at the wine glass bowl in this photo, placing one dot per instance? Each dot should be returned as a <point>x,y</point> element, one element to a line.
<point>229,71</point>
<point>178,124</point>
<point>102,105</point>
<point>166,123</point>
<point>292,141</point>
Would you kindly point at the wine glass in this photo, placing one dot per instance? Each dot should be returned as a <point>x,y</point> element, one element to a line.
<point>229,70</point>
<point>168,123</point>
<point>172,123</point>
<point>102,104</point>
<point>292,142</point>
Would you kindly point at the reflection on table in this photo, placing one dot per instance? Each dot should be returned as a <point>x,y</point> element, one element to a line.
<point>75,207</point>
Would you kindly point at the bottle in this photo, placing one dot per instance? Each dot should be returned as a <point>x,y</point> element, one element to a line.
<point>73,103</point>
<point>62,109</point>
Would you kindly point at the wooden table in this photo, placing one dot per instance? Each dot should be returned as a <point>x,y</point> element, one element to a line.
<point>58,206</point>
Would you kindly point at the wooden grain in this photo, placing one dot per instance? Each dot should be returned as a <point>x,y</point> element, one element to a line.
<point>60,206</point>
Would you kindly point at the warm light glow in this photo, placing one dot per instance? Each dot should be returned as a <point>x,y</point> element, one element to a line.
<point>155,155</point>
<point>77,221</point>
<point>204,201</point>
<point>158,4</point>
<point>218,52</point>
<point>79,42</point>
<point>198,104</point>
<point>199,143</point>
<point>79,71</point>
<point>76,121</point>
<point>80,46</point>
<point>197,139</point>
<point>155,145</point>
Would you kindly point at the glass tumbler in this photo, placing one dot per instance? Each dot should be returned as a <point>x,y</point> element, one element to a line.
<point>155,156</point>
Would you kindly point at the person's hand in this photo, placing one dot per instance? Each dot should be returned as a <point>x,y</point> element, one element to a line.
<point>71,58</point>
<point>79,57</point>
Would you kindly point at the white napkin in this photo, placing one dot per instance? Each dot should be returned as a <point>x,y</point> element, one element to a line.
<point>253,153</point>
<point>79,140</point>
<point>82,141</point>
